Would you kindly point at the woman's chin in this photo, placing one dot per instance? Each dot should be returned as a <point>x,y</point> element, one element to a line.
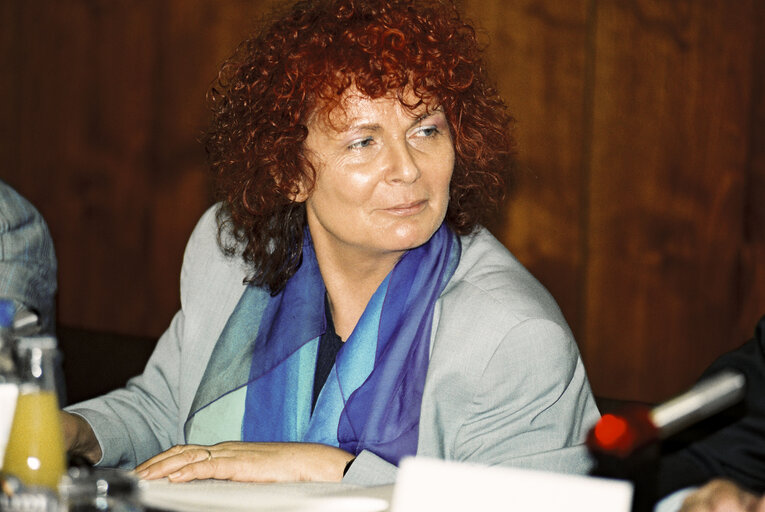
<point>410,240</point>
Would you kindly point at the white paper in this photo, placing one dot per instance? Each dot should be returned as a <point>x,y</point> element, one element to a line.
<point>9,393</point>
<point>425,484</point>
<point>207,495</point>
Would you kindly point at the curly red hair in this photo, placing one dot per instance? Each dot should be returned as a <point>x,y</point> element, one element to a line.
<point>299,65</point>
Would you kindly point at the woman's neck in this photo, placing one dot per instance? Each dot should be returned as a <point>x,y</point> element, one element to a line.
<point>350,284</point>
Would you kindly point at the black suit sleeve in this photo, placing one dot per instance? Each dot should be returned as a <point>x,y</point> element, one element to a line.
<point>735,450</point>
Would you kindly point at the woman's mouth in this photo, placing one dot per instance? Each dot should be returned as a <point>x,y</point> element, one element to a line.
<point>410,208</point>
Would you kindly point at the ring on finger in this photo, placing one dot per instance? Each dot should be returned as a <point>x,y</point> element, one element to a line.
<point>209,455</point>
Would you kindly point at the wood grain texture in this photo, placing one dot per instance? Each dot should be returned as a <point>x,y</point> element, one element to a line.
<point>667,189</point>
<point>539,58</point>
<point>752,279</point>
<point>108,109</point>
<point>637,198</point>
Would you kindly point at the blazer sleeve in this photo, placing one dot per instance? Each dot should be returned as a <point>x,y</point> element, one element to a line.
<point>140,420</point>
<point>136,422</point>
<point>532,406</point>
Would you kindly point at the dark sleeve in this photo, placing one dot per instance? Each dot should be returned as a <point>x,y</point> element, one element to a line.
<point>735,449</point>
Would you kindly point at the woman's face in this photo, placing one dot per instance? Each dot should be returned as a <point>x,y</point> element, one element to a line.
<point>383,173</point>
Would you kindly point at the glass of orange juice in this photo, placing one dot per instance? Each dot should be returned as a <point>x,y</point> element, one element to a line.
<point>35,451</point>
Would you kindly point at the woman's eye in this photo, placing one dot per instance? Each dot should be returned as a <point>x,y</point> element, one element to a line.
<point>361,143</point>
<point>427,131</point>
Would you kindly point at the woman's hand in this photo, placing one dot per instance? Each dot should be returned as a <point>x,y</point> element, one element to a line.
<point>248,462</point>
<point>79,438</point>
<point>722,496</point>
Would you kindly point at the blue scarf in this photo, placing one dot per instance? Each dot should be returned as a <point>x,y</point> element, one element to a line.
<point>261,389</point>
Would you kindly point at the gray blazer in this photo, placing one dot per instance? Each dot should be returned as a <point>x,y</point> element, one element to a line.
<point>505,383</point>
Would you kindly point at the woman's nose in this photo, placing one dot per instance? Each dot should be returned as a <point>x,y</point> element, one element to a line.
<point>402,166</point>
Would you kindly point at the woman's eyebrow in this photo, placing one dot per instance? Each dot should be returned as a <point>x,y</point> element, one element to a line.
<point>427,114</point>
<point>373,127</point>
<point>376,127</point>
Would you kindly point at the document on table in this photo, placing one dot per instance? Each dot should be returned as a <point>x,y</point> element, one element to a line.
<point>423,484</point>
<point>206,495</point>
<point>444,486</point>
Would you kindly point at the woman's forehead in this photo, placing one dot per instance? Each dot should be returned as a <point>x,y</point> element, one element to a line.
<point>355,105</point>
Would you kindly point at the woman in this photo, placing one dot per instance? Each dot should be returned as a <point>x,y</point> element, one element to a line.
<point>353,311</point>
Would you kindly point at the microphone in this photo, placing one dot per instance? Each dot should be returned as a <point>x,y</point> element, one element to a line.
<point>705,399</point>
<point>621,434</point>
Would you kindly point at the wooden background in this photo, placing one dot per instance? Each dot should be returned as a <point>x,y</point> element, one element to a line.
<point>639,195</point>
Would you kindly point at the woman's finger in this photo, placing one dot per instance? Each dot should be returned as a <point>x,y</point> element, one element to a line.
<point>172,460</point>
<point>238,465</point>
<point>160,456</point>
<point>175,450</point>
<point>218,468</point>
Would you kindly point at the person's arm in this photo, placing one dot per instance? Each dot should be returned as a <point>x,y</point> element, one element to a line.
<point>138,421</point>
<point>142,419</point>
<point>533,405</point>
<point>531,408</point>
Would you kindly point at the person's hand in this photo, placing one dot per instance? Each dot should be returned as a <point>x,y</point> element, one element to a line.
<point>79,438</point>
<point>722,496</point>
<point>248,462</point>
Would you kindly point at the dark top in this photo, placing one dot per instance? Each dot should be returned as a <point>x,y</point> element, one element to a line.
<point>329,345</point>
<point>735,449</point>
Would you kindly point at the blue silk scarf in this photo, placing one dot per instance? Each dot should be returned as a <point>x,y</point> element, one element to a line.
<point>261,389</point>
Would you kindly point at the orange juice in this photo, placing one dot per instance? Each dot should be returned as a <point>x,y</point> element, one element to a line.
<point>35,451</point>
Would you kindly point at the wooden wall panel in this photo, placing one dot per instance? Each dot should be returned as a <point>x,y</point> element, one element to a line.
<point>85,144</point>
<point>196,37</point>
<point>539,58</point>
<point>8,59</point>
<point>637,199</point>
<point>752,281</point>
<point>667,178</point>
<point>108,109</point>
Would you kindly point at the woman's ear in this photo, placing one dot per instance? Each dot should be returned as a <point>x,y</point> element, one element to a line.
<point>299,194</point>
<point>303,185</point>
<point>298,190</point>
